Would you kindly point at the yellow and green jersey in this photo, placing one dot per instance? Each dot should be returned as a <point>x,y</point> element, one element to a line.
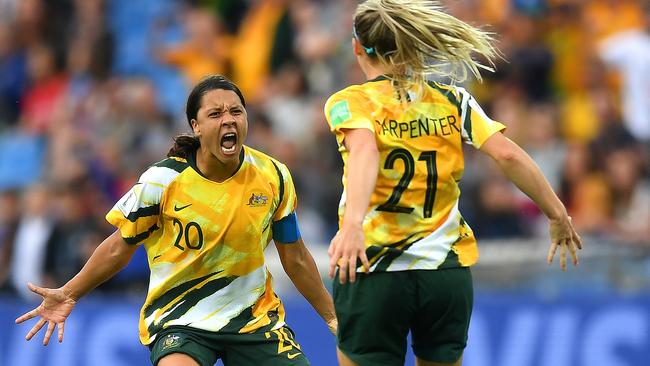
<point>413,220</point>
<point>205,243</point>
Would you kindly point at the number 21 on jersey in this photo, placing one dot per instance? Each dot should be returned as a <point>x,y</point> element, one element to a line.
<point>429,157</point>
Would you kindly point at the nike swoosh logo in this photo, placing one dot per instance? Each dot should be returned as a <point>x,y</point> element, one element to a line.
<point>176,208</point>
<point>291,356</point>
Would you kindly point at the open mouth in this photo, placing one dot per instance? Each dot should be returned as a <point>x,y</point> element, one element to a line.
<point>229,143</point>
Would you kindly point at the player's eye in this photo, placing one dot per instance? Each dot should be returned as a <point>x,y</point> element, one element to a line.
<point>236,111</point>
<point>215,114</point>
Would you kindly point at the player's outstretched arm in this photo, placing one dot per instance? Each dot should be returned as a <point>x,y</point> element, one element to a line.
<point>303,272</point>
<point>110,257</point>
<point>520,168</point>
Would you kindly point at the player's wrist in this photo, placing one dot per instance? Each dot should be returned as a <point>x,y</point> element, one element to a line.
<point>352,222</point>
<point>558,214</point>
<point>69,293</point>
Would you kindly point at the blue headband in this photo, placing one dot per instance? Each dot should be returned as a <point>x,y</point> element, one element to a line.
<point>369,50</point>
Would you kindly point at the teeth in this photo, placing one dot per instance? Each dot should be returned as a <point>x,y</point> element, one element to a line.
<point>229,136</point>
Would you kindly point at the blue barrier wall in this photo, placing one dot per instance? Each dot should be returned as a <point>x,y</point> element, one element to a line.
<point>507,330</point>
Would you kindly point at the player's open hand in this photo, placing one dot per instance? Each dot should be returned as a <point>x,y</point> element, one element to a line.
<point>54,310</point>
<point>345,248</point>
<point>563,235</point>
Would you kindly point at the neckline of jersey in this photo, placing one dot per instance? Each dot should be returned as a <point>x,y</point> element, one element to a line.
<point>192,162</point>
<point>378,78</point>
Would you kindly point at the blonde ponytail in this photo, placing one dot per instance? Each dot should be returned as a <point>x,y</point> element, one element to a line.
<point>416,38</point>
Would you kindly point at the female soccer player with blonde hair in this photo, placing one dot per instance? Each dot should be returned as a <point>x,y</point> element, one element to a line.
<point>400,138</point>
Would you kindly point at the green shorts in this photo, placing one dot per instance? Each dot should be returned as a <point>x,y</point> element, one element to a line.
<point>274,348</point>
<point>376,313</point>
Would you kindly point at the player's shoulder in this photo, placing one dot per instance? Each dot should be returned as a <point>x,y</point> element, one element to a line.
<point>164,171</point>
<point>264,163</point>
<point>355,92</point>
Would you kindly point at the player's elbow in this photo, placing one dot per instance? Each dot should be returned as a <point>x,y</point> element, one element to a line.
<point>502,150</point>
<point>506,156</point>
<point>293,258</point>
<point>119,253</point>
<point>293,265</point>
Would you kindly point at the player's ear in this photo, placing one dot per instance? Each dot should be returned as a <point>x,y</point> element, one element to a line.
<point>195,127</point>
<point>357,48</point>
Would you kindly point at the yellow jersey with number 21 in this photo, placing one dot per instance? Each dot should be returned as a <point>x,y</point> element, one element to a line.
<point>413,220</point>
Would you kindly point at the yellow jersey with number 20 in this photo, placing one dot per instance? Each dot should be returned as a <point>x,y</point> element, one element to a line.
<point>205,243</point>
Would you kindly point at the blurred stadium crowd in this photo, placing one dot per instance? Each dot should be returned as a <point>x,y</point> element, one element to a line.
<point>93,91</point>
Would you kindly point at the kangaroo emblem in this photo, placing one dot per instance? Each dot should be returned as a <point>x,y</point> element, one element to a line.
<point>257,200</point>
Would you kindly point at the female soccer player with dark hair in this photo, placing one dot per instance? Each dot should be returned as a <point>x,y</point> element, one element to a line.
<point>400,137</point>
<point>205,215</point>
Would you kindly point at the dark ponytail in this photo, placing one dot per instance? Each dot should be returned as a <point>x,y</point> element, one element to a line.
<point>185,144</point>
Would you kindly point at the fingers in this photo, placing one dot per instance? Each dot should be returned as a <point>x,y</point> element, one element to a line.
<point>364,261</point>
<point>35,329</point>
<point>565,245</point>
<point>574,235</point>
<point>60,326</point>
<point>332,270</point>
<point>344,253</point>
<point>343,270</point>
<point>27,316</point>
<point>572,251</point>
<point>352,266</point>
<point>48,332</point>
<point>37,290</point>
<point>577,240</point>
<point>562,255</point>
<point>334,258</point>
<point>551,253</point>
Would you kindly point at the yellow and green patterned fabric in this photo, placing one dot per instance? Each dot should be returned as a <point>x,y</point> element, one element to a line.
<point>205,243</point>
<point>413,220</point>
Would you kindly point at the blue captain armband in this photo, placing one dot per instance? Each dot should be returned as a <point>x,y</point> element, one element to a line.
<point>286,230</point>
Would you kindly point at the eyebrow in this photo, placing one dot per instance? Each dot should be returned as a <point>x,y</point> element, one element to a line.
<point>222,107</point>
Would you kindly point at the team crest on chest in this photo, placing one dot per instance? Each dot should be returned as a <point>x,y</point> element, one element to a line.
<point>257,199</point>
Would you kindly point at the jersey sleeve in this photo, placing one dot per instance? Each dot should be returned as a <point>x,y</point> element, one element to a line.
<point>285,223</point>
<point>346,110</point>
<point>137,213</point>
<point>477,127</point>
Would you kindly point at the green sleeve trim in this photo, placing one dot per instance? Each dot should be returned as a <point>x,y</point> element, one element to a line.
<point>144,212</point>
<point>467,123</point>
<point>133,240</point>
